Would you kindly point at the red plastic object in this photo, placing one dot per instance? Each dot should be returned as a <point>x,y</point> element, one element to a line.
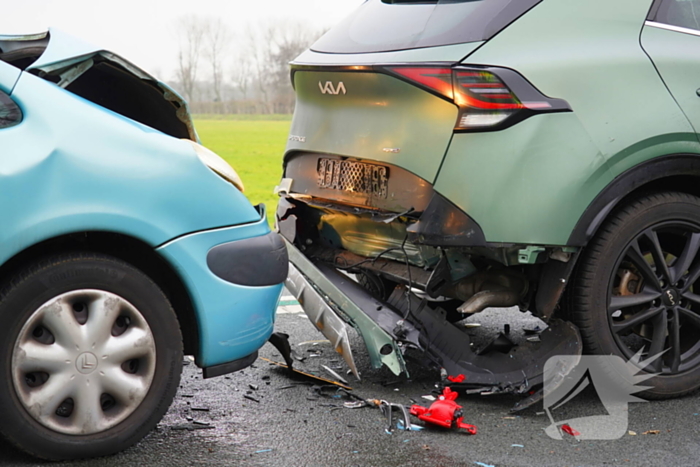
<point>456,379</point>
<point>569,430</point>
<point>444,412</point>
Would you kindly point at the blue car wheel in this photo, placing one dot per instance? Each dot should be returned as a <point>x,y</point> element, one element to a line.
<point>92,356</point>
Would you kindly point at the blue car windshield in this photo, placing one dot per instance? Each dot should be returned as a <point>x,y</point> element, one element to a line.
<point>386,25</point>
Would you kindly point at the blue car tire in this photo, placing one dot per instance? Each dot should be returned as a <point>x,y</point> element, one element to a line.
<point>91,356</point>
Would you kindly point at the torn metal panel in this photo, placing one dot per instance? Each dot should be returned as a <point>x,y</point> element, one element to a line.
<point>75,72</point>
<point>382,348</point>
<point>104,78</point>
<point>321,315</point>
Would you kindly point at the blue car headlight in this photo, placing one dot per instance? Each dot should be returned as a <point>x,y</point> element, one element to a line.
<point>218,165</point>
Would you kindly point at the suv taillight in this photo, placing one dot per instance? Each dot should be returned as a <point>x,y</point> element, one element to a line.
<point>488,98</point>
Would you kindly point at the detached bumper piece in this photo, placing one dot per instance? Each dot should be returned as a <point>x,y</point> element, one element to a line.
<point>332,301</point>
<point>328,306</point>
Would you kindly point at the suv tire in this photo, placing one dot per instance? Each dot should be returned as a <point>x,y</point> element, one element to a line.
<point>636,288</point>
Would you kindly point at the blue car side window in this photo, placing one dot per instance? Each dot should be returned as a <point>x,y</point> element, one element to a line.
<point>10,114</point>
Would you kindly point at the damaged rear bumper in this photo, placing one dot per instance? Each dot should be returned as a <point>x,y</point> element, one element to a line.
<point>333,302</point>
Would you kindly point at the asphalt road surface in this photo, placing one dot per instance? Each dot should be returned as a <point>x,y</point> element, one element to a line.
<point>284,422</point>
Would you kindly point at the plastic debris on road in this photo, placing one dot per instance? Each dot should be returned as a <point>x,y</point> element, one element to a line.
<point>308,375</point>
<point>444,412</point>
<point>567,429</point>
<point>334,374</point>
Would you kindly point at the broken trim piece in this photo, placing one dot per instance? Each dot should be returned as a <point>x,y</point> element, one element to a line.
<point>305,280</point>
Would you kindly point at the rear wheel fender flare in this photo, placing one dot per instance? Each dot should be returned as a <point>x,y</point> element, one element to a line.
<point>648,174</point>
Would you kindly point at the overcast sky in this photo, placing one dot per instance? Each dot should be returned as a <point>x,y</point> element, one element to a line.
<point>144,31</point>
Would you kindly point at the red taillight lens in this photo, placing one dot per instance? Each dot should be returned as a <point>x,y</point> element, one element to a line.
<point>484,99</point>
<point>437,79</point>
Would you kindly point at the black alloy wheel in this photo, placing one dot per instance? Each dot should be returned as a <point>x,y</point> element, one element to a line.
<point>636,290</point>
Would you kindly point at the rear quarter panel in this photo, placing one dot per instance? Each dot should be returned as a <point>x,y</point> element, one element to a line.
<point>532,182</point>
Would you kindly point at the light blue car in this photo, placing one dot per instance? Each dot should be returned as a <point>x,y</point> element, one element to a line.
<point>124,242</point>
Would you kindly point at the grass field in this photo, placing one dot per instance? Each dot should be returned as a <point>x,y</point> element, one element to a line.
<point>253,147</point>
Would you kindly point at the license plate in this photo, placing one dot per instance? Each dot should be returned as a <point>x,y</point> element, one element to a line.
<point>354,177</point>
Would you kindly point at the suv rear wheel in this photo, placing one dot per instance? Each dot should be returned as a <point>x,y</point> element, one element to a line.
<point>90,357</point>
<point>636,289</point>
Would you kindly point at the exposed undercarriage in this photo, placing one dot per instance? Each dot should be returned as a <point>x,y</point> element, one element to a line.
<point>396,260</point>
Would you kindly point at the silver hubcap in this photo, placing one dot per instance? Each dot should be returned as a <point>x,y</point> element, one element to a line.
<point>83,362</point>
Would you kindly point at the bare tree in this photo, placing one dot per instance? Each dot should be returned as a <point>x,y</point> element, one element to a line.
<point>191,33</point>
<point>240,75</point>
<point>272,47</point>
<point>260,46</point>
<point>217,36</point>
<point>290,40</point>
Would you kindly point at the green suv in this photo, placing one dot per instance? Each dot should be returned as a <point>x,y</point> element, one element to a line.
<point>451,156</point>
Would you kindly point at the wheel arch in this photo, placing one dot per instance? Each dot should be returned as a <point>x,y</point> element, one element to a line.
<point>676,172</point>
<point>128,249</point>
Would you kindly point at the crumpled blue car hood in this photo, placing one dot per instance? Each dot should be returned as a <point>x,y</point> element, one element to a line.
<point>64,50</point>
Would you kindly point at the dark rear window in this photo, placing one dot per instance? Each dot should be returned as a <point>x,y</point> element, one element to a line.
<point>385,25</point>
<point>683,13</point>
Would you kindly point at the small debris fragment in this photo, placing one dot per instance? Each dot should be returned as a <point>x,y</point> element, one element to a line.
<point>263,450</point>
<point>508,418</point>
<point>472,325</point>
<point>197,422</point>
<point>484,465</point>
<point>428,397</point>
<point>187,395</point>
<point>334,374</point>
<point>323,341</point>
<point>308,375</point>
<point>254,387</point>
<point>517,446</point>
<point>390,383</point>
<point>412,427</point>
<point>533,339</point>
<point>200,409</point>
<point>652,432</point>
<point>354,404</point>
<point>632,433</point>
<point>193,426</point>
<point>567,429</point>
<point>426,447</point>
<point>457,379</point>
<point>251,398</point>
